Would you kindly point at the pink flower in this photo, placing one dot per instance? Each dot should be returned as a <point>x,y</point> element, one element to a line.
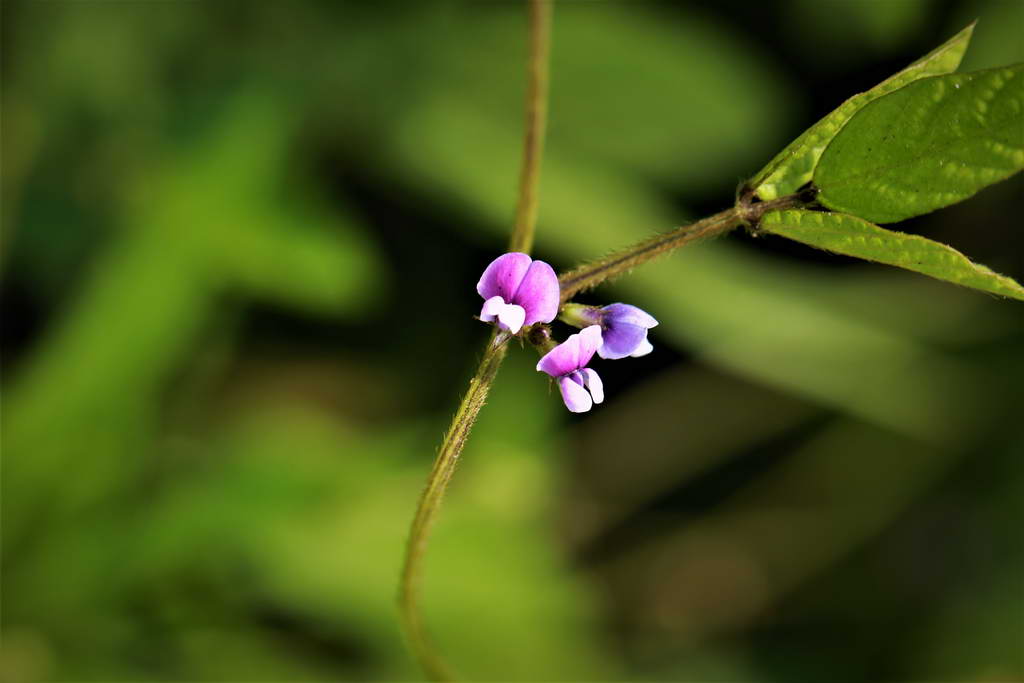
<point>518,292</point>
<point>581,387</point>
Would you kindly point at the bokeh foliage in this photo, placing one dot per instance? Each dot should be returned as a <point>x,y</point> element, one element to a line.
<point>239,243</point>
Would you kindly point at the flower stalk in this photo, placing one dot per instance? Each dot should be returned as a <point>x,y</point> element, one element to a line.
<point>747,212</point>
<point>590,275</point>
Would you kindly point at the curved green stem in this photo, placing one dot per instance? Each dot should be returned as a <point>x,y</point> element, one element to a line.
<point>430,505</point>
<point>536,124</point>
<point>479,386</point>
<point>746,212</point>
<point>590,275</point>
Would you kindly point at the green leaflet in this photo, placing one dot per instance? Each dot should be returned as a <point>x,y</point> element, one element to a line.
<point>933,143</point>
<point>853,236</point>
<point>794,166</point>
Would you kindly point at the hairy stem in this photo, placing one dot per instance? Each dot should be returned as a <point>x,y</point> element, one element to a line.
<point>430,505</point>
<point>536,123</point>
<point>475,397</point>
<point>746,212</point>
<point>592,274</point>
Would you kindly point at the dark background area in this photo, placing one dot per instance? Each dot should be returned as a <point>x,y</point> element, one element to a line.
<point>239,249</point>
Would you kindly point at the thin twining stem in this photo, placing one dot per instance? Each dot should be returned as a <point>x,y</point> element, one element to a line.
<point>591,274</point>
<point>430,505</point>
<point>475,397</point>
<point>536,123</point>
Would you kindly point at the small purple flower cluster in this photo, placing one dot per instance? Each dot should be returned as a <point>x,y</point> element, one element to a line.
<point>519,292</point>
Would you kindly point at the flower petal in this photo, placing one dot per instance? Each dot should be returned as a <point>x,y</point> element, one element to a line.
<point>503,276</point>
<point>624,313</point>
<point>642,350</point>
<point>576,398</point>
<point>491,308</point>
<point>593,383</point>
<point>538,293</point>
<point>511,318</point>
<point>621,340</point>
<point>590,341</point>
<point>563,359</point>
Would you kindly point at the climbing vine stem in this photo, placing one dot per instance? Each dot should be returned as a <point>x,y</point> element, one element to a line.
<point>430,504</point>
<point>479,386</point>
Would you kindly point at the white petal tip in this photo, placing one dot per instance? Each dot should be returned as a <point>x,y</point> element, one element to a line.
<point>576,398</point>
<point>645,348</point>
<point>592,381</point>
<point>511,318</point>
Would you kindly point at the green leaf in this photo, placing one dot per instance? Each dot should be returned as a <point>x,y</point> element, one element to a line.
<point>852,236</point>
<point>794,165</point>
<point>931,144</point>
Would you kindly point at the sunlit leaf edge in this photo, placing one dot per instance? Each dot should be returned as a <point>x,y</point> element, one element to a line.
<point>794,165</point>
<point>852,236</point>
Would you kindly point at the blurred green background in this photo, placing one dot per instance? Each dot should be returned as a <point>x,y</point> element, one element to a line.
<point>239,248</point>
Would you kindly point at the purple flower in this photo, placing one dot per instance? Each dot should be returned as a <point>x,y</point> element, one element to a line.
<point>580,386</point>
<point>624,332</point>
<point>518,291</point>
